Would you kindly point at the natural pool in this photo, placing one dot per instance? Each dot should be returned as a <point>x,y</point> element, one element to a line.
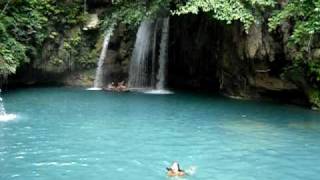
<point>73,134</point>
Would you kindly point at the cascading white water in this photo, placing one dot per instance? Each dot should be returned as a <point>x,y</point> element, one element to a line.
<point>138,73</point>
<point>2,110</point>
<point>147,69</point>
<point>98,81</point>
<point>3,115</point>
<point>154,70</point>
<point>163,56</point>
<point>163,59</point>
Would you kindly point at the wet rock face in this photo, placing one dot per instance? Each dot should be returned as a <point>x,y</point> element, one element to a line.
<point>63,62</point>
<point>71,53</point>
<point>116,65</point>
<point>206,54</point>
<point>316,54</point>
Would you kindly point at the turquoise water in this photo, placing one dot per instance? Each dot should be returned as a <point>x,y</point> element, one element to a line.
<point>73,134</point>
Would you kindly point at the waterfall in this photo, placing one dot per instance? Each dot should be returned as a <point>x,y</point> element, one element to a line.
<point>2,110</point>
<point>163,57</point>
<point>3,115</point>
<point>154,53</point>
<point>98,81</point>
<point>138,73</point>
<point>150,55</point>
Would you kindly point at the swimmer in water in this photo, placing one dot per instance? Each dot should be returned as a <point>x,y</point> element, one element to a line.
<point>175,170</point>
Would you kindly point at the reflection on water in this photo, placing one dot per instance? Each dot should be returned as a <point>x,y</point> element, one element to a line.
<point>245,126</point>
<point>258,135</point>
<point>309,124</point>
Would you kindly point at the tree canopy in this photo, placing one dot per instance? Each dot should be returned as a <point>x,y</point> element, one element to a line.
<point>245,11</point>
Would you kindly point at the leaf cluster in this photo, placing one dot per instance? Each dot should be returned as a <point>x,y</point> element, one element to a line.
<point>245,11</point>
<point>304,17</point>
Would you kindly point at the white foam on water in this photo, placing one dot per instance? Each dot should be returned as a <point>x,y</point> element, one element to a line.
<point>151,91</point>
<point>191,170</point>
<point>59,164</point>
<point>4,117</point>
<point>159,92</point>
<point>94,89</point>
<point>7,117</point>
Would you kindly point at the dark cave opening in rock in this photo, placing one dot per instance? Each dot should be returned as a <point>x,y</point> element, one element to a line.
<point>193,53</point>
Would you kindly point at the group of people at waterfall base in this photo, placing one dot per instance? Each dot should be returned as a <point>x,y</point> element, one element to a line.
<point>120,87</point>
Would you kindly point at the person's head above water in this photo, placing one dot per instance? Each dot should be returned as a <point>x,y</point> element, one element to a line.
<point>175,166</point>
<point>175,170</point>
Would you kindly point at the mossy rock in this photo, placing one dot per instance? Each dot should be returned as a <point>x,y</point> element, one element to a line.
<point>314,98</point>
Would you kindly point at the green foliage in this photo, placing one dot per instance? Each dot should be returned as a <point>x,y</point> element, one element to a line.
<point>77,50</point>
<point>12,53</point>
<point>134,11</point>
<point>226,10</point>
<point>304,15</point>
<point>88,60</point>
<point>26,25</point>
<point>313,71</point>
<point>314,97</point>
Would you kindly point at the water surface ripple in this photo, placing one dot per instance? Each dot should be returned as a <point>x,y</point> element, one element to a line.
<point>73,134</point>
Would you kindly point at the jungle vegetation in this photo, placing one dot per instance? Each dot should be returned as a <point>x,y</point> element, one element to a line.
<point>26,24</point>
